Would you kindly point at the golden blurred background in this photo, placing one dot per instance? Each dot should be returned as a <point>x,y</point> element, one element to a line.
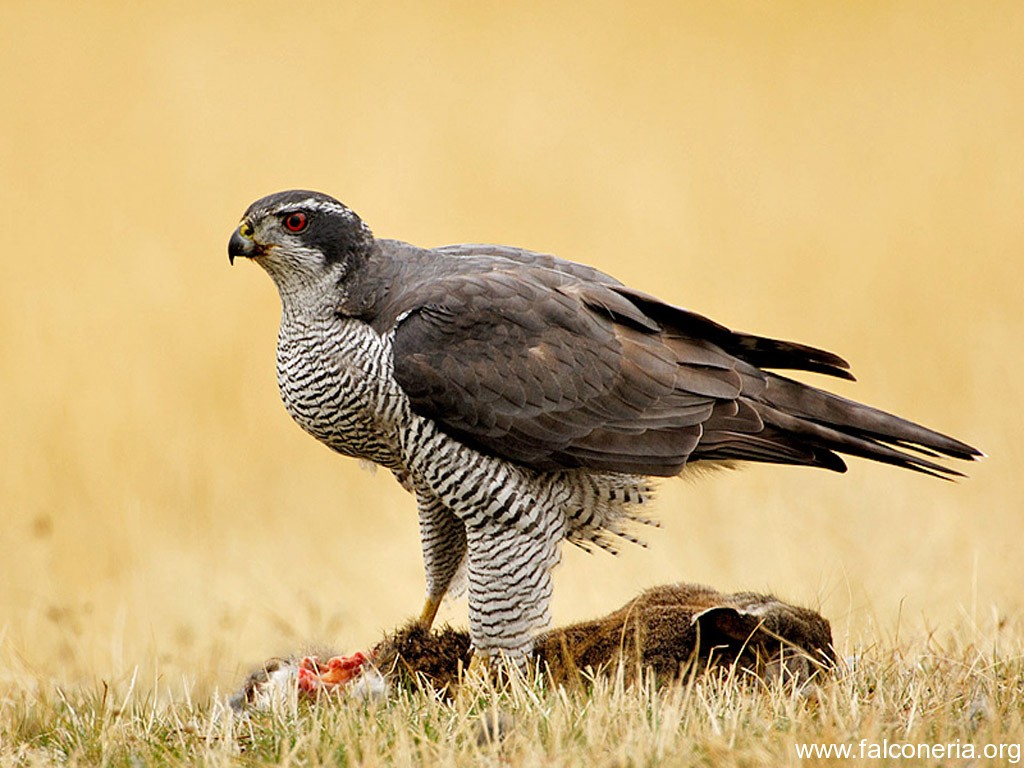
<point>849,175</point>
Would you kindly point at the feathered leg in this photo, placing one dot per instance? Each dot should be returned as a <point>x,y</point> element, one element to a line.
<point>509,587</point>
<point>443,537</point>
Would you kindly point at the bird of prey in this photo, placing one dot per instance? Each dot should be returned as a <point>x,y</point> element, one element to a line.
<point>525,399</point>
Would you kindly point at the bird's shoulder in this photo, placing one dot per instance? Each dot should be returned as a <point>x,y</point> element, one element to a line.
<point>401,278</point>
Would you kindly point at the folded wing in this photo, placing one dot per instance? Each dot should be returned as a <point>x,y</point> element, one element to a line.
<point>557,368</point>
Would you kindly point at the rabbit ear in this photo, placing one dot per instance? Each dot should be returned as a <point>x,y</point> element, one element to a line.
<point>725,624</point>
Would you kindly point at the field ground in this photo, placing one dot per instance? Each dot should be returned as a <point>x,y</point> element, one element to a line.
<point>945,701</point>
<point>845,175</point>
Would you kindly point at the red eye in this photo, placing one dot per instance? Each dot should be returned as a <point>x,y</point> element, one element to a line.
<point>296,222</point>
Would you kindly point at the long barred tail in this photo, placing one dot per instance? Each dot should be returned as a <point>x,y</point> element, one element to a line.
<point>806,425</point>
<point>774,419</point>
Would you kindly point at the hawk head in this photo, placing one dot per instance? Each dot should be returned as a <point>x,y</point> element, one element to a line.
<point>300,237</point>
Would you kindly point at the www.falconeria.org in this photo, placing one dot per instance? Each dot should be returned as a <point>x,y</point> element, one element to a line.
<point>897,750</point>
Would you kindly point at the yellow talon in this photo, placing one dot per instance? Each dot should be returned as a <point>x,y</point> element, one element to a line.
<point>430,611</point>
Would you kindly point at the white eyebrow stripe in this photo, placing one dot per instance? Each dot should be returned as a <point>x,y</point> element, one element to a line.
<point>315,204</point>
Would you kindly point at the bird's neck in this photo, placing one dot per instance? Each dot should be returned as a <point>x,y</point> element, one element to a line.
<point>308,295</point>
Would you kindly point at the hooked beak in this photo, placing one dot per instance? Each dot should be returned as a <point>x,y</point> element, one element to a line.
<point>241,243</point>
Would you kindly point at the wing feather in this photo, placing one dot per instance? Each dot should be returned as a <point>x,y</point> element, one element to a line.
<point>555,365</point>
<point>545,369</point>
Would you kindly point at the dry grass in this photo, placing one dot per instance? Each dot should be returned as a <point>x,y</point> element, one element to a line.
<point>848,175</point>
<point>962,694</point>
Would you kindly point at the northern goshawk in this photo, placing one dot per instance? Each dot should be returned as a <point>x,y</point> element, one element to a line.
<point>525,399</point>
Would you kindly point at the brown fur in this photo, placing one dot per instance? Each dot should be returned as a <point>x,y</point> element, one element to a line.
<point>415,653</point>
<point>669,629</point>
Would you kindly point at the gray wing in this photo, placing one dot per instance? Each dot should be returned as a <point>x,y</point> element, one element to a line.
<point>555,371</point>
